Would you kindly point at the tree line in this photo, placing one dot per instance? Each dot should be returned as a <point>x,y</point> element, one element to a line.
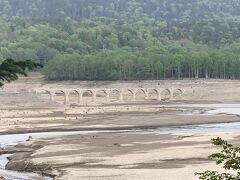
<point>134,39</point>
<point>148,65</point>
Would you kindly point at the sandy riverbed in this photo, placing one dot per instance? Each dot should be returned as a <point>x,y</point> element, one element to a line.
<point>111,156</point>
<point>120,156</point>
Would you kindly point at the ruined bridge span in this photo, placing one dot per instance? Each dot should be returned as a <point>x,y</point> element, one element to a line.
<point>147,94</point>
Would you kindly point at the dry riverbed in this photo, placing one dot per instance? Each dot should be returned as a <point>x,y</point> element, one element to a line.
<point>118,156</point>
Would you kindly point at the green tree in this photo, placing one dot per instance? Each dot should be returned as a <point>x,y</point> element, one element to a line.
<point>229,157</point>
<point>9,69</point>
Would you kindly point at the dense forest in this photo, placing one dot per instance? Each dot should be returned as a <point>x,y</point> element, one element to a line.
<point>124,39</point>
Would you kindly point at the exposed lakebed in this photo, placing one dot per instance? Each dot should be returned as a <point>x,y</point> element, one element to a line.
<point>212,109</point>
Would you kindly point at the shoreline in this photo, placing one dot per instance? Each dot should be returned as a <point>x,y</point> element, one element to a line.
<point>116,128</point>
<point>79,118</point>
<point>221,118</point>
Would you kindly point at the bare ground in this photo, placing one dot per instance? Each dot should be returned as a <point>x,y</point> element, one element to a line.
<point>114,156</point>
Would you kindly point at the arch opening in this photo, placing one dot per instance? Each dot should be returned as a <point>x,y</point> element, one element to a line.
<point>102,96</point>
<point>45,95</point>
<point>74,97</point>
<point>166,95</point>
<point>114,95</point>
<point>88,97</point>
<point>153,94</point>
<point>128,95</point>
<point>140,95</point>
<point>60,96</point>
<point>177,93</point>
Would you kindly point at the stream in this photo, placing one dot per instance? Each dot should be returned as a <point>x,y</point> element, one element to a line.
<point>212,109</point>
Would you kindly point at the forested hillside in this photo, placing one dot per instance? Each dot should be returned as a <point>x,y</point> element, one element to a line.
<point>124,39</point>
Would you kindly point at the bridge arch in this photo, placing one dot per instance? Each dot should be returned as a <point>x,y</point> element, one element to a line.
<point>88,96</point>
<point>74,96</point>
<point>128,95</point>
<point>153,94</point>
<point>115,95</point>
<point>140,94</point>
<point>60,96</point>
<point>177,92</point>
<point>92,96</point>
<point>166,94</point>
<point>102,95</point>
<point>46,94</point>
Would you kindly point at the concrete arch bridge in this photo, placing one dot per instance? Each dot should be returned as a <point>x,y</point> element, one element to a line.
<point>105,96</point>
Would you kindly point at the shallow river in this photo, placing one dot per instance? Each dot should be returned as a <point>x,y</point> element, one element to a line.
<point>213,109</point>
<point>233,109</point>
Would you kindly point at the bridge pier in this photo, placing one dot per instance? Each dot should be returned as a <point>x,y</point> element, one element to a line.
<point>52,96</point>
<point>94,97</point>
<point>134,96</point>
<point>121,96</point>
<point>66,98</point>
<point>108,97</point>
<point>171,95</point>
<point>81,99</point>
<point>159,96</point>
